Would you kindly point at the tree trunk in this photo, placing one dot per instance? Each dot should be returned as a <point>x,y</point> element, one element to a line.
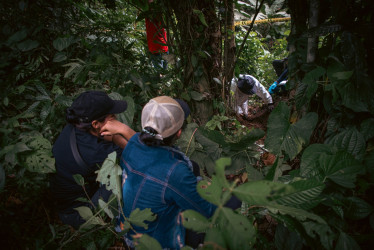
<point>313,23</point>
<point>200,45</point>
<point>229,50</point>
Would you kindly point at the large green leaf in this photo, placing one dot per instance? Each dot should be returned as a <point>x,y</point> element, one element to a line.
<point>285,239</point>
<point>146,242</point>
<point>62,43</point>
<point>138,217</point>
<point>27,45</point>
<point>324,232</point>
<point>246,141</point>
<point>341,168</point>
<point>297,213</point>
<point>214,239</point>
<point>40,161</point>
<point>18,36</point>
<point>367,129</point>
<point>212,148</point>
<point>241,161</point>
<point>253,174</point>
<point>308,87</point>
<point>238,231</point>
<point>195,221</point>
<point>290,138</point>
<point>356,208</point>
<point>309,159</point>
<point>277,170</point>
<point>369,163</point>
<point>204,161</point>
<point>87,215</point>
<point>303,194</point>
<point>346,242</point>
<point>350,140</point>
<point>210,191</point>
<point>261,192</point>
<point>306,194</point>
<point>105,206</point>
<point>187,140</point>
<point>127,116</point>
<point>200,14</point>
<point>110,175</point>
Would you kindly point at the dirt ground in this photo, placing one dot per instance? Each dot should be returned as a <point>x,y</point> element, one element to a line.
<point>258,115</point>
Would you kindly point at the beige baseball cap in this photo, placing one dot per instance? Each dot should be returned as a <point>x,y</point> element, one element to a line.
<point>164,114</point>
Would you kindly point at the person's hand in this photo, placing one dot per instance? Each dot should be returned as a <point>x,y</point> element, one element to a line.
<point>270,107</point>
<point>111,127</point>
<point>273,88</point>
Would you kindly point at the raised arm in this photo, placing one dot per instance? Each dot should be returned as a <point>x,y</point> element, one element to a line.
<point>121,132</point>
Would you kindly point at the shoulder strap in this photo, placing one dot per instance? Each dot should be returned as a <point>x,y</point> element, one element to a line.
<point>74,149</point>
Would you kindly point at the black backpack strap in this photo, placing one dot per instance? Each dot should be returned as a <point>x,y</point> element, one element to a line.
<point>74,149</point>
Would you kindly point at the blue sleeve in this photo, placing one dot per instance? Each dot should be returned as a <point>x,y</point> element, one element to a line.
<point>283,76</point>
<point>182,190</point>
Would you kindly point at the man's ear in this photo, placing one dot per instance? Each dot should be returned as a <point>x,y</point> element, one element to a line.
<point>95,124</point>
<point>179,132</point>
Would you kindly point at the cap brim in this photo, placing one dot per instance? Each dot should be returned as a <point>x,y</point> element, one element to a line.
<point>118,107</point>
<point>185,107</point>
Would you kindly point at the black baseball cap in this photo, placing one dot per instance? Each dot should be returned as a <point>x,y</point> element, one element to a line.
<point>91,105</point>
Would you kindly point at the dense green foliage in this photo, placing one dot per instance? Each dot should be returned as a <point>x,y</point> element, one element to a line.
<point>318,192</point>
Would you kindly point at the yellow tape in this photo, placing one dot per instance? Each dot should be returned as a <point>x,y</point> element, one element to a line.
<point>270,20</point>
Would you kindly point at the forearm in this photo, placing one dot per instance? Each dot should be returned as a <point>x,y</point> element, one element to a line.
<point>119,131</point>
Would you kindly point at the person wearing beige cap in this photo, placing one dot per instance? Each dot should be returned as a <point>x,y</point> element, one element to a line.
<point>158,176</point>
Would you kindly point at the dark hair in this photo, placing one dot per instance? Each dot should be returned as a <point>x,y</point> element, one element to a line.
<point>148,137</point>
<point>81,122</point>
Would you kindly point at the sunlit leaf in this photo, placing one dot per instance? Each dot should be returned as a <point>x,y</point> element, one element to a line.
<point>138,217</point>
<point>110,173</point>
<point>103,205</point>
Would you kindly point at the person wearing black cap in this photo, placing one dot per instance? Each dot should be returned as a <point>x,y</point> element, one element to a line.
<point>247,85</point>
<point>80,149</point>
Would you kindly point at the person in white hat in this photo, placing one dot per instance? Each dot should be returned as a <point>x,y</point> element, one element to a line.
<point>158,176</point>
